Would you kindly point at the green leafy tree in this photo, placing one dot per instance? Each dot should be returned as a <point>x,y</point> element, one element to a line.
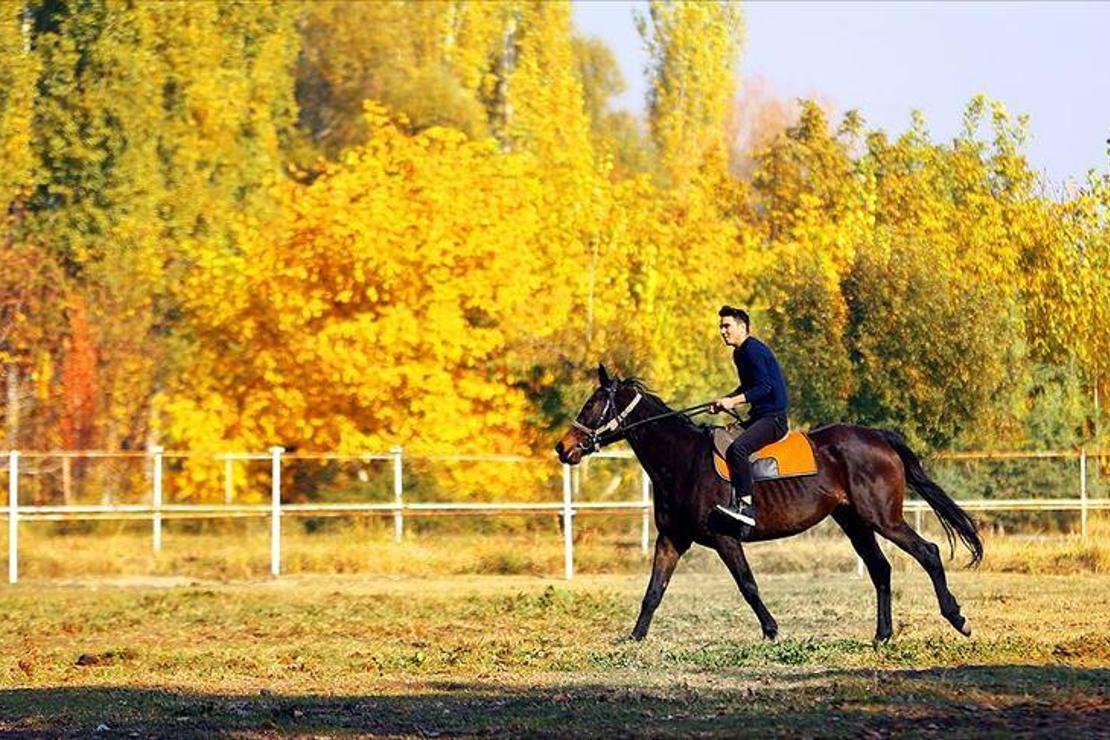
<point>809,318</point>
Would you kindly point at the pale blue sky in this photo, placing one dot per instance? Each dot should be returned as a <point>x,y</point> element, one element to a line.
<point>1050,60</point>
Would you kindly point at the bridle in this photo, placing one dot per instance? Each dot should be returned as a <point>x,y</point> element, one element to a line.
<point>593,440</point>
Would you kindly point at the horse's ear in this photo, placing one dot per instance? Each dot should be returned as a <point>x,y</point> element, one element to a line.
<point>603,376</point>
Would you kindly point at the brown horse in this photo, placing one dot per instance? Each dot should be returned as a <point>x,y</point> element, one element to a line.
<point>861,481</point>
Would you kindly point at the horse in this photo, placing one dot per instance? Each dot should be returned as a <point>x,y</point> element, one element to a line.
<point>861,480</point>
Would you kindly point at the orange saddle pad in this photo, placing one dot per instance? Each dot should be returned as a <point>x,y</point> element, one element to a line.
<point>790,457</point>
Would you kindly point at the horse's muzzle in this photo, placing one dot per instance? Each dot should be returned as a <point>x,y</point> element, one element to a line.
<point>571,456</point>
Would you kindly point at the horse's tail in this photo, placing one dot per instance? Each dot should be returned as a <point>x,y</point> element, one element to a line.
<point>955,520</point>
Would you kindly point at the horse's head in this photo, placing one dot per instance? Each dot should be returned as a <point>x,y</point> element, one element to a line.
<point>602,414</point>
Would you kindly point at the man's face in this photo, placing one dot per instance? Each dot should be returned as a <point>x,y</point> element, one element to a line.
<point>733,331</point>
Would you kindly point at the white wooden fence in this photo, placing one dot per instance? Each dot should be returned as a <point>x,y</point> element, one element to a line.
<point>157,510</point>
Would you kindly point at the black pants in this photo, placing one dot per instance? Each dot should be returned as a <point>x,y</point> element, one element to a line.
<point>757,433</point>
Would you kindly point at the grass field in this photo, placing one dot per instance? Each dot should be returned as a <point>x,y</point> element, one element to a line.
<point>420,656</point>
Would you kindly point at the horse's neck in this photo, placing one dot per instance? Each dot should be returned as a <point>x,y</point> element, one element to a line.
<point>666,448</point>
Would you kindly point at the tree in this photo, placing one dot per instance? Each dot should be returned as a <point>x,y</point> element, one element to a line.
<point>32,328</point>
<point>811,192</point>
<point>808,317</point>
<point>615,133</point>
<point>434,63</point>
<point>927,342</point>
<point>377,309</point>
<point>19,69</point>
<point>693,49</point>
<point>601,79</point>
<point>142,157</point>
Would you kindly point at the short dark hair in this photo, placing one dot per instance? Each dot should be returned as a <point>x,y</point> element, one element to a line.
<point>737,313</point>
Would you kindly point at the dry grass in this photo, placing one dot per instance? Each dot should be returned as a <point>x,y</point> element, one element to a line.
<point>603,544</point>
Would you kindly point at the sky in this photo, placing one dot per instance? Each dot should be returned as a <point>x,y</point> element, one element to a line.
<point>1049,60</point>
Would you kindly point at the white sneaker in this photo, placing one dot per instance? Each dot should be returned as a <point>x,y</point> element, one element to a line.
<point>739,515</point>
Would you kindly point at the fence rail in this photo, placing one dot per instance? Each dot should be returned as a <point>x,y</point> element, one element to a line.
<point>158,511</point>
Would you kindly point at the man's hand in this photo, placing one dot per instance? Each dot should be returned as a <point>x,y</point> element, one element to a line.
<point>726,403</point>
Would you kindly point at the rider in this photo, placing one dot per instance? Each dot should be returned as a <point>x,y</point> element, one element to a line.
<point>763,386</point>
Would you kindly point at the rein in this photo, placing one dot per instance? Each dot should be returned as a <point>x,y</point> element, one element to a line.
<point>612,431</point>
<point>690,411</point>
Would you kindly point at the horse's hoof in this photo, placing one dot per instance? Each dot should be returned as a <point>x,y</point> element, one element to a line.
<point>636,638</point>
<point>880,641</point>
<point>771,635</point>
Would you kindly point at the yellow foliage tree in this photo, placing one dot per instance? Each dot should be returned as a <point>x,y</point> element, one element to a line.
<point>377,309</point>
<point>19,69</point>
<point>694,48</point>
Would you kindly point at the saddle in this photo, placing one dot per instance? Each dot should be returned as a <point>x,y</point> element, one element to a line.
<point>790,457</point>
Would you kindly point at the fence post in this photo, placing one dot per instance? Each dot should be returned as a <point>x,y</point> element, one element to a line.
<point>229,481</point>
<point>919,518</point>
<point>13,516</point>
<point>645,487</point>
<point>1083,493</point>
<point>398,493</point>
<point>275,510</point>
<point>156,518</point>
<point>568,526</point>
<point>67,481</point>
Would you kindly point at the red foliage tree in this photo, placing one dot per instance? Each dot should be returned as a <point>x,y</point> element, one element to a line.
<point>78,381</point>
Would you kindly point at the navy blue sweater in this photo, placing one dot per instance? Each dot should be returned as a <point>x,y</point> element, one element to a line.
<point>761,379</point>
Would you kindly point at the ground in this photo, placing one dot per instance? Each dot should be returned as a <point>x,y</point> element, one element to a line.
<point>469,655</point>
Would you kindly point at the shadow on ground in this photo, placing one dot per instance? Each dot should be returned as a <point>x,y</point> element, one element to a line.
<point>1015,700</point>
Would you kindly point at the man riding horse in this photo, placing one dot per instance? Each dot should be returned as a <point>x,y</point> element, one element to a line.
<point>860,479</point>
<point>763,386</point>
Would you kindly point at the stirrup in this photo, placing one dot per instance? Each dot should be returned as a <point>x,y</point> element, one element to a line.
<point>732,522</point>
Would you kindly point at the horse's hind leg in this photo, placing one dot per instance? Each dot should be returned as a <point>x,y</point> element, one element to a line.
<point>667,553</point>
<point>928,555</point>
<point>863,540</point>
<point>733,556</point>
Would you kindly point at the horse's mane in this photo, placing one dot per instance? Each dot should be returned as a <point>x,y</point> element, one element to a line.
<point>662,406</point>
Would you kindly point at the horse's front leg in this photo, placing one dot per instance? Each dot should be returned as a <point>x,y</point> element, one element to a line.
<point>667,553</point>
<point>733,555</point>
